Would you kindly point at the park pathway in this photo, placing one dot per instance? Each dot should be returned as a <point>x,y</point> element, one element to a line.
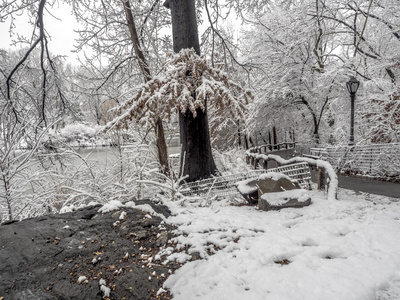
<point>359,184</point>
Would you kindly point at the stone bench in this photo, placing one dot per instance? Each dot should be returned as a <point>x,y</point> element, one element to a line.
<point>273,191</point>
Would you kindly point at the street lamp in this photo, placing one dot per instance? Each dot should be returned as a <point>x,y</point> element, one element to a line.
<point>352,87</point>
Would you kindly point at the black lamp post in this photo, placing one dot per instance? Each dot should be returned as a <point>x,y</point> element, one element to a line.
<point>352,87</point>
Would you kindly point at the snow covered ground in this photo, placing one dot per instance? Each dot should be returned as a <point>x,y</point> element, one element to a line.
<point>345,249</point>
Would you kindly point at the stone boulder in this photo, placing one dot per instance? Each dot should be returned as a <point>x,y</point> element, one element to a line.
<point>86,254</point>
<point>275,182</point>
<point>248,189</point>
<point>292,198</point>
<point>252,189</point>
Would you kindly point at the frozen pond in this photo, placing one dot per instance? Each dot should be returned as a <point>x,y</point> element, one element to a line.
<point>108,155</point>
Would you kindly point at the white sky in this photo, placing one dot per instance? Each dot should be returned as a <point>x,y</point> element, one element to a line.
<point>60,30</point>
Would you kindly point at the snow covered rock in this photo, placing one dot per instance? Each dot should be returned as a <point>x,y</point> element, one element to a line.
<point>275,182</point>
<point>248,189</point>
<point>279,200</point>
<point>252,189</point>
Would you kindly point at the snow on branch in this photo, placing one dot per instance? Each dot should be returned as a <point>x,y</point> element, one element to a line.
<point>186,82</point>
<point>333,183</point>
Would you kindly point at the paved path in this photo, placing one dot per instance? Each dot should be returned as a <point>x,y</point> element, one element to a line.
<point>371,186</point>
<point>356,183</point>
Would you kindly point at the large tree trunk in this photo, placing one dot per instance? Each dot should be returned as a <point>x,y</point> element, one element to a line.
<point>161,144</point>
<point>196,156</point>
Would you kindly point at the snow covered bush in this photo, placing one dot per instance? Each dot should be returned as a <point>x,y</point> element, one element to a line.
<point>62,181</point>
<point>78,132</point>
<point>231,161</point>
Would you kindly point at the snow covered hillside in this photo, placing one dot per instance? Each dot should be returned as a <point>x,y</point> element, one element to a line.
<point>346,249</point>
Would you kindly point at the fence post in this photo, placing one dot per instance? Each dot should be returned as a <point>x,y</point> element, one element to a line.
<point>370,161</point>
<point>321,179</point>
<point>255,163</point>
<point>265,164</point>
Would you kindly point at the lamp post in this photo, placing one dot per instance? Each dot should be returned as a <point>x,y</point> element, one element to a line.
<point>352,87</point>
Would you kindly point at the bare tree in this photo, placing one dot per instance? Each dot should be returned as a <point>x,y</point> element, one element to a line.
<point>161,144</point>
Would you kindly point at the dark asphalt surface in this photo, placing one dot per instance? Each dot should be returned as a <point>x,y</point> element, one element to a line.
<point>370,186</point>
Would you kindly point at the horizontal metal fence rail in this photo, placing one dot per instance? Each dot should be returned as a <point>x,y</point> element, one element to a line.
<point>270,147</point>
<point>319,152</point>
<point>225,185</point>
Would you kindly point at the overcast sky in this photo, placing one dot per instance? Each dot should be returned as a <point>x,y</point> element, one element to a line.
<point>61,31</point>
<point>60,27</point>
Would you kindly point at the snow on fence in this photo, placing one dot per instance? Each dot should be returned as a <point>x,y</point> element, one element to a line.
<point>269,147</point>
<point>323,168</point>
<point>382,160</point>
<point>225,185</point>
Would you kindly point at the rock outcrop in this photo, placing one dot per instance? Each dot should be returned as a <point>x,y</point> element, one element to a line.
<point>85,255</point>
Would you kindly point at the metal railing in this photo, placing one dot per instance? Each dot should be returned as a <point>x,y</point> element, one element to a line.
<point>226,185</point>
<point>270,147</point>
<point>381,160</point>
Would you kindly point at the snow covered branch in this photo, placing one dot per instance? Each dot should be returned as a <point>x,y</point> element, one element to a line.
<point>188,81</point>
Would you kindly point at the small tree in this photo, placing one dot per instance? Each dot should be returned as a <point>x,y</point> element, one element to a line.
<point>185,84</point>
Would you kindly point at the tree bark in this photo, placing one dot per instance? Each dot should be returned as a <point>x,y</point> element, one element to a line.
<point>196,155</point>
<point>160,137</point>
<point>275,137</point>
<point>135,42</point>
<point>162,147</point>
<point>314,117</point>
<point>239,135</point>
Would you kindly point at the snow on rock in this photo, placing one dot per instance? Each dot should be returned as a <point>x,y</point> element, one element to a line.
<point>123,215</point>
<point>280,198</point>
<point>160,291</point>
<point>130,204</point>
<point>275,176</point>
<point>106,291</point>
<point>82,279</point>
<point>178,257</point>
<point>67,208</point>
<point>331,250</point>
<point>110,206</point>
<point>244,187</point>
<point>147,208</point>
<point>115,205</point>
